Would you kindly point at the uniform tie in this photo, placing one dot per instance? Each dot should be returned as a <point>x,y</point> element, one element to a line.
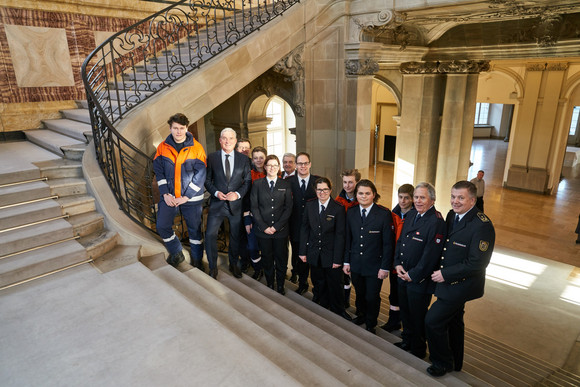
<point>416,218</point>
<point>228,170</point>
<point>322,211</point>
<point>364,214</point>
<point>271,185</point>
<point>303,186</point>
<point>455,221</point>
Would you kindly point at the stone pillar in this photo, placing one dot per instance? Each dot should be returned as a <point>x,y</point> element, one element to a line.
<point>456,134</point>
<point>434,138</point>
<point>535,131</point>
<point>359,78</point>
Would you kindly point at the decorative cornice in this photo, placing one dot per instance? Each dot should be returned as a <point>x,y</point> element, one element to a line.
<point>361,66</point>
<point>557,66</point>
<point>445,67</point>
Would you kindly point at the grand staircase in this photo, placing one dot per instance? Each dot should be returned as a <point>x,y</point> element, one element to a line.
<point>48,221</point>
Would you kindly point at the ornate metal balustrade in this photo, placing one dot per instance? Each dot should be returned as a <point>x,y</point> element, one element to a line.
<point>141,61</point>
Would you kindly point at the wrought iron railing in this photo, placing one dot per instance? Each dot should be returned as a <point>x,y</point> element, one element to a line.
<point>142,60</point>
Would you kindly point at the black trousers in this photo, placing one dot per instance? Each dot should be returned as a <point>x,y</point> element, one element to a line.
<point>393,288</point>
<point>446,334</point>
<point>368,297</point>
<point>214,221</point>
<point>301,269</point>
<point>274,259</point>
<point>328,287</point>
<point>479,203</point>
<point>414,307</point>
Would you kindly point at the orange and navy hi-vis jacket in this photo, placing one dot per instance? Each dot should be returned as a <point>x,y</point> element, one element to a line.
<point>181,174</point>
<point>398,221</point>
<point>341,198</point>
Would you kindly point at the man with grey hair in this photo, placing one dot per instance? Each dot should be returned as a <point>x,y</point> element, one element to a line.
<point>416,257</point>
<point>228,180</point>
<point>289,165</point>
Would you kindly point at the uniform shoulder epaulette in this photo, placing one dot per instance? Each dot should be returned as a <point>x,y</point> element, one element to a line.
<point>383,207</point>
<point>311,199</point>
<point>438,214</point>
<point>482,217</point>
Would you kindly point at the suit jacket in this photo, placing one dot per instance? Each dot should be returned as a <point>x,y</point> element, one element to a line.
<point>419,248</point>
<point>271,208</point>
<point>240,181</point>
<point>369,245</point>
<point>322,239</point>
<point>466,254</point>
<point>299,202</point>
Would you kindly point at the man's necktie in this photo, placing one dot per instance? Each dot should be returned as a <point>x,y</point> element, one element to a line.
<point>303,186</point>
<point>272,186</point>
<point>364,214</point>
<point>228,169</point>
<point>416,219</point>
<point>455,221</point>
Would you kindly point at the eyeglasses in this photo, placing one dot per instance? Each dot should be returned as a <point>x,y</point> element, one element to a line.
<point>303,164</point>
<point>323,190</point>
<point>272,166</point>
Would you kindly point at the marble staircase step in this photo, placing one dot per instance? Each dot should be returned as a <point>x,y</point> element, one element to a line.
<point>87,223</point>
<point>99,243</point>
<point>51,140</point>
<point>259,339</point>
<point>15,241</point>
<point>80,115</point>
<point>348,342</point>
<point>77,204</point>
<point>83,103</point>
<point>18,193</point>
<point>24,214</point>
<point>60,168</point>
<point>67,186</point>
<point>69,127</point>
<point>41,261</point>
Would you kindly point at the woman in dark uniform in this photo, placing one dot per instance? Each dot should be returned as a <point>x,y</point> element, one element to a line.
<point>271,208</point>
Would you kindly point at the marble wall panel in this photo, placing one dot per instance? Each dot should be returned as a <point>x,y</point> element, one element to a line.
<point>40,56</point>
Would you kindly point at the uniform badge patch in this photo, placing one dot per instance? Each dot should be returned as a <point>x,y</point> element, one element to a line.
<point>483,245</point>
<point>482,217</point>
<point>438,238</point>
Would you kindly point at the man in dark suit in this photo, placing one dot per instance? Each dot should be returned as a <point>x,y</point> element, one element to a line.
<point>322,246</point>
<point>368,253</point>
<point>460,278</point>
<point>416,257</point>
<point>228,180</point>
<point>303,190</point>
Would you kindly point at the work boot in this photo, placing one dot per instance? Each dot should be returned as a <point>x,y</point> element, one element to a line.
<point>175,259</point>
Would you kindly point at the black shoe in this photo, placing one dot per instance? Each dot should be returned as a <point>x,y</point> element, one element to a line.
<point>175,259</point>
<point>346,298</point>
<point>235,269</point>
<point>302,289</point>
<point>245,268</point>
<point>258,274</point>
<point>294,278</point>
<point>394,322</point>
<point>436,371</point>
<point>403,345</point>
<point>213,273</point>
<point>271,286</point>
<point>281,290</point>
<point>346,316</point>
<point>358,320</point>
<point>371,330</point>
<point>199,265</point>
<point>420,355</point>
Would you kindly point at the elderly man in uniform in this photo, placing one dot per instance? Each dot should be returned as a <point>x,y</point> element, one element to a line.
<point>460,278</point>
<point>416,257</point>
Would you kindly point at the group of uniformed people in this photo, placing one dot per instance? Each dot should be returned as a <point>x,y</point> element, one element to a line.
<point>335,241</point>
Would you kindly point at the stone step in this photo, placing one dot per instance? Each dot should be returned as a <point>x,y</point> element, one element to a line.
<point>77,204</point>
<point>83,104</point>
<point>80,115</point>
<point>75,151</point>
<point>20,193</point>
<point>99,243</point>
<point>351,345</point>
<point>259,339</point>
<point>67,186</point>
<point>119,256</point>
<point>34,236</point>
<point>19,176</point>
<point>70,128</point>
<point>29,213</point>
<point>56,169</point>
<point>87,223</point>
<point>37,262</point>
<point>50,140</point>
